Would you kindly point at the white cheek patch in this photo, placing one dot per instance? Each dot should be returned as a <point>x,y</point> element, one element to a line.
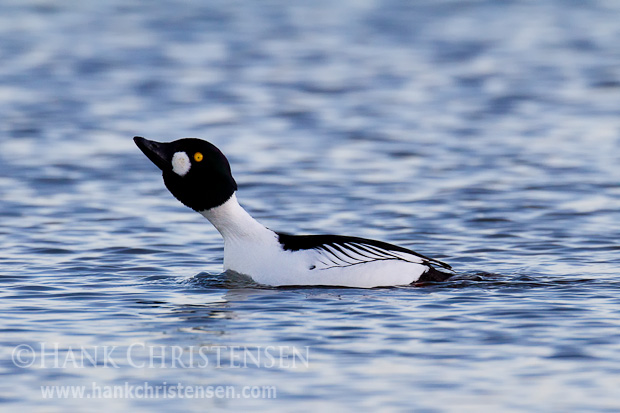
<point>181,163</point>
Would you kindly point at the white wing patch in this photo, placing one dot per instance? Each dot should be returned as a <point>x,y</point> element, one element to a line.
<point>348,254</point>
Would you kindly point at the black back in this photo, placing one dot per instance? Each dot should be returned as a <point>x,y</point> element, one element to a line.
<point>306,242</point>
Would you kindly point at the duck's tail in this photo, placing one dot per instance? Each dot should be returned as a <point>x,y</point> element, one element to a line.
<point>434,275</point>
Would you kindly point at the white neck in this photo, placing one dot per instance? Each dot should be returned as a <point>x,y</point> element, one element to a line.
<point>233,222</point>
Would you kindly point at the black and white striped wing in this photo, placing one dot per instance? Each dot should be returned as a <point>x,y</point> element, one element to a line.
<point>353,253</point>
<point>335,251</point>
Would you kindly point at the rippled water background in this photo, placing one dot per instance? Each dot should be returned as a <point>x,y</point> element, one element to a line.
<point>482,133</point>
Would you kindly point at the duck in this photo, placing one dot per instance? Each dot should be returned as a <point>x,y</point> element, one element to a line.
<point>199,175</point>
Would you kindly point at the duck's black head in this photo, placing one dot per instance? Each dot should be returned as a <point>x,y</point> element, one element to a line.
<point>195,171</point>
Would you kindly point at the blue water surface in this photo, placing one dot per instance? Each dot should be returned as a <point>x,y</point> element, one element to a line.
<point>482,133</point>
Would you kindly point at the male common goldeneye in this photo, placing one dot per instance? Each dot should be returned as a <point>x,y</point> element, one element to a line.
<point>199,176</point>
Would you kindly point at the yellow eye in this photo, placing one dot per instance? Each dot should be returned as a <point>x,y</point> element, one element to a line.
<point>198,157</point>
